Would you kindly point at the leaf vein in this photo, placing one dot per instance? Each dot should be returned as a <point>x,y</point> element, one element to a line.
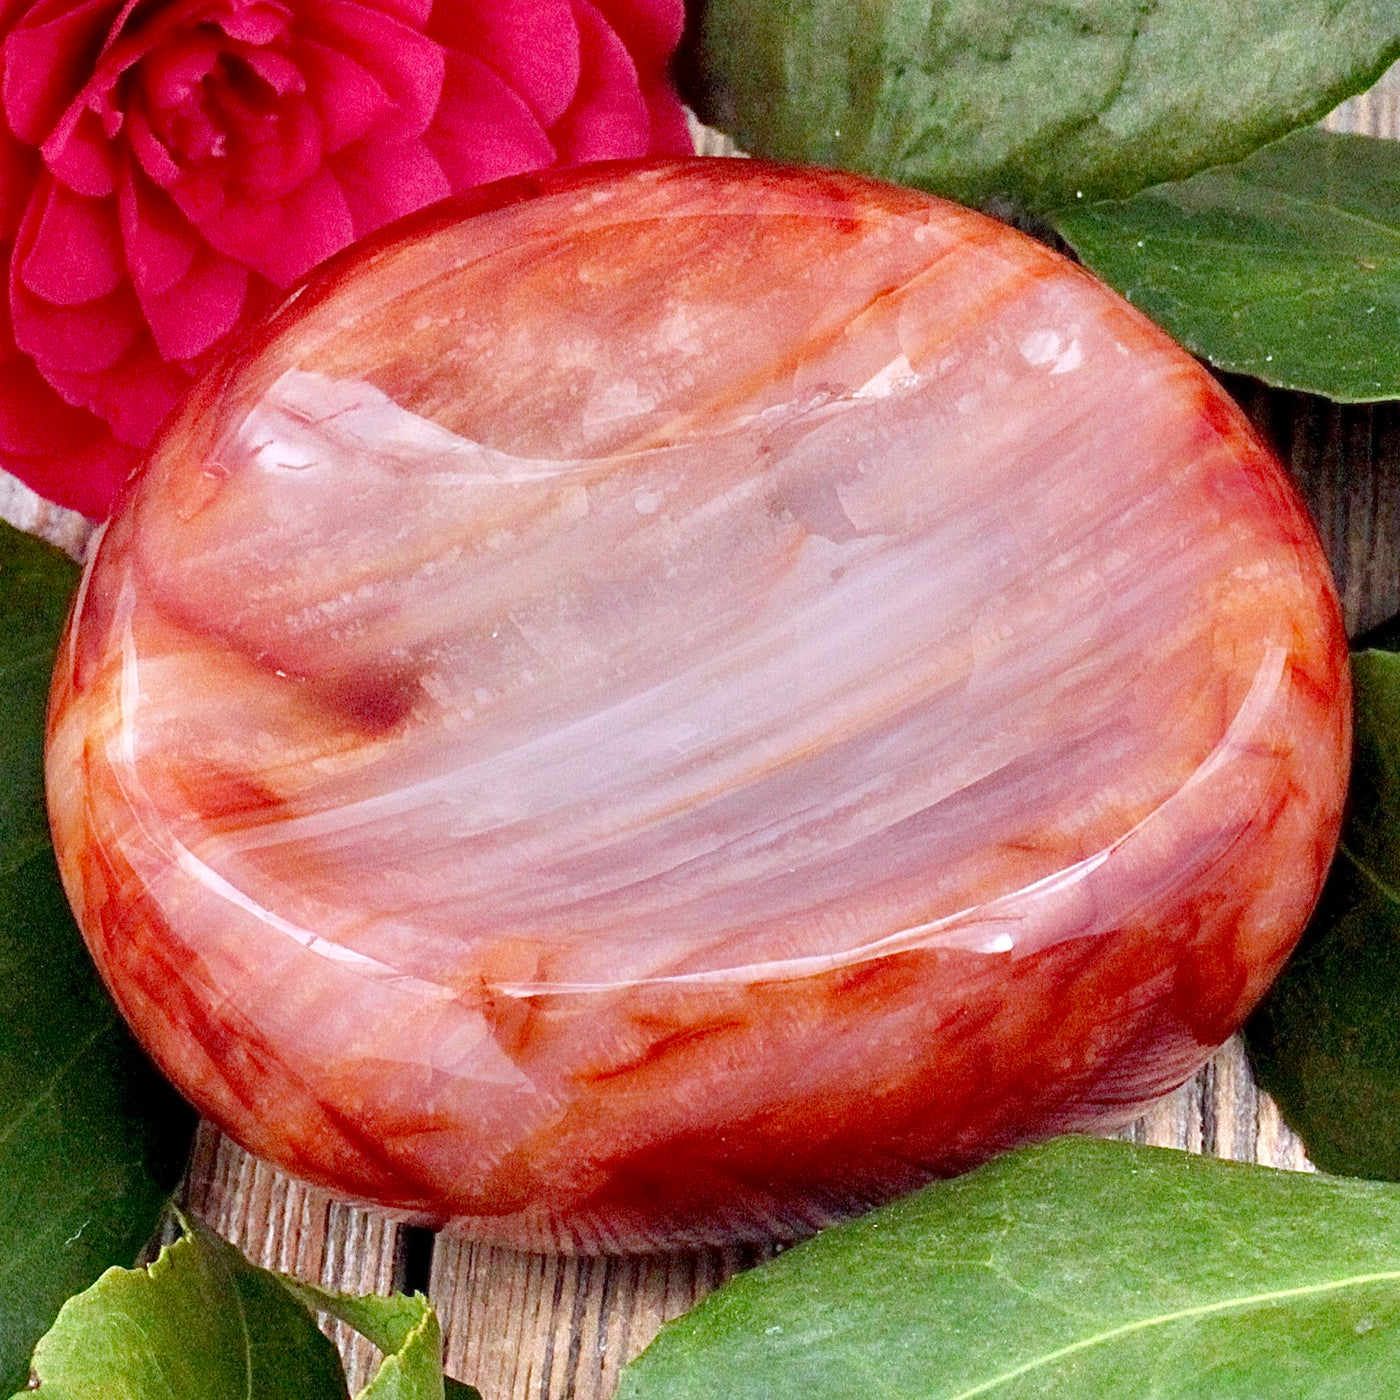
<point>53,1081</point>
<point>1388,891</point>
<point>1165,1319</point>
<point>1337,211</point>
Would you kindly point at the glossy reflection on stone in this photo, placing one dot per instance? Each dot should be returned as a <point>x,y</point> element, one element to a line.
<point>669,703</point>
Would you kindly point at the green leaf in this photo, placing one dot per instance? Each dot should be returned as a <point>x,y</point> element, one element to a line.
<point>404,1328</point>
<point>202,1323</point>
<point>1031,102</point>
<point>1326,1041</point>
<point>1285,266</point>
<point>91,1139</point>
<point>1079,1269</point>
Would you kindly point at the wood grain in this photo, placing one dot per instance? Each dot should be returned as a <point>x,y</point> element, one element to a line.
<point>539,1327</point>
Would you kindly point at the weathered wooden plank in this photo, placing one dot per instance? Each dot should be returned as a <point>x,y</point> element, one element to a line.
<point>20,507</point>
<point>554,1328</point>
<point>1373,113</point>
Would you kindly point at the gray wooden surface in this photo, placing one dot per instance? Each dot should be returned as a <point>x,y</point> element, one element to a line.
<point>541,1327</point>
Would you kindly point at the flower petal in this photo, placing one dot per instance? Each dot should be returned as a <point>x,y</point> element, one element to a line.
<point>271,160</point>
<point>66,454</point>
<point>650,29</point>
<point>33,420</point>
<point>88,482</point>
<point>350,101</point>
<point>256,22</point>
<point>86,338</point>
<point>385,182</point>
<point>201,308</point>
<point>202,197</point>
<point>276,70</point>
<point>47,59</point>
<point>280,239</point>
<point>19,172</point>
<point>13,12</point>
<point>406,63</point>
<point>670,132</point>
<point>149,149</point>
<point>609,118</point>
<point>532,44</point>
<point>79,152</point>
<point>74,254</point>
<point>412,12</point>
<point>159,242</point>
<point>483,130</point>
<point>170,73</point>
<point>133,397</point>
<point>127,44</point>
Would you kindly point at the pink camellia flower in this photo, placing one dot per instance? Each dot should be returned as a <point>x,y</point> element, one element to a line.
<point>167,166</point>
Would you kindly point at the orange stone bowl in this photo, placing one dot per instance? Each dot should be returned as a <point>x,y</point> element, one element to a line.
<point>670,703</point>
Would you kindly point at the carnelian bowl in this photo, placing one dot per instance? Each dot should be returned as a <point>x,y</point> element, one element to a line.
<point>673,702</point>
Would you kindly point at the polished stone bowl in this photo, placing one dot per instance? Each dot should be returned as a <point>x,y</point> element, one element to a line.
<point>669,703</point>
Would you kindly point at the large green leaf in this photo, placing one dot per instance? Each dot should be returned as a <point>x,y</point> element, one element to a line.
<point>202,1323</point>
<point>1079,1269</point>
<point>1285,266</point>
<point>1036,102</point>
<point>91,1139</point>
<point>1326,1041</point>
